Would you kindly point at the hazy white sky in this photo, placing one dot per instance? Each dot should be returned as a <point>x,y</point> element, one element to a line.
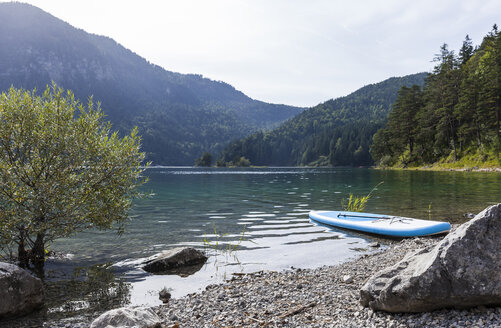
<point>296,52</point>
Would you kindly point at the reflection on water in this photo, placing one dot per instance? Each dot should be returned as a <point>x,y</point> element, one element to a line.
<point>79,295</point>
<point>201,206</point>
<point>93,288</point>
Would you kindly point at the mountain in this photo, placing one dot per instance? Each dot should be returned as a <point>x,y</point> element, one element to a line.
<point>179,115</point>
<point>337,132</point>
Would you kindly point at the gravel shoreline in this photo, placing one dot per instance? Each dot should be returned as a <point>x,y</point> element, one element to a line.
<point>322,297</point>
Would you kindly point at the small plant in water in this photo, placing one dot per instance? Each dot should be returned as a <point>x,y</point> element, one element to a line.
<point>358,203</point>
<point>221,247</point>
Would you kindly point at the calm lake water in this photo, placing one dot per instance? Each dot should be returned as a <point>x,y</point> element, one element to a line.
<point>263,212</point>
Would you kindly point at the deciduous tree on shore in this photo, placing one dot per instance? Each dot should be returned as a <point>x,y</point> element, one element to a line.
<point>62,170</point>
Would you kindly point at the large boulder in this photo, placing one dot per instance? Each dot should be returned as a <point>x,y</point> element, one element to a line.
<point>176,261</point>
<point>461,271</point>
<point>128,317</point>
<point>20,292</point>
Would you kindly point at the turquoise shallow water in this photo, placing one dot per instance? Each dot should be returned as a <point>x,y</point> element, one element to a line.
<point>261,211</point>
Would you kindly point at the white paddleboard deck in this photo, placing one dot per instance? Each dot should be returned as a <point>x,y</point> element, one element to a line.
<point>387,225</point>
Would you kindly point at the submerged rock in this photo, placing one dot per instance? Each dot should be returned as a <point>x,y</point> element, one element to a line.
<point>20,292</point>
<point>461,271</point>
<point>127,317</point>
<point>180,260</point>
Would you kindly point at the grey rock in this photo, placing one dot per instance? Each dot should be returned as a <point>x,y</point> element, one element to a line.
<point>128,317</point>
<point>173,261</point>
<point>164,295</point>
<point>461,271</point>
<point>20,292</point>
<point>347,279</point>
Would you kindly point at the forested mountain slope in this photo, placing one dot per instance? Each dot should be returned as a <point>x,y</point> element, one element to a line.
<point>337,132</point>
<point>178,115</point>
<point>456,119</point>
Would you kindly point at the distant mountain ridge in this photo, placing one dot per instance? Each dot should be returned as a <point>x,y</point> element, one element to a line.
<point>337,132</point>
<point>178,115</point>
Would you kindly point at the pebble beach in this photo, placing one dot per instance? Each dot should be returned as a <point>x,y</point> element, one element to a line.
<point>322,297</point>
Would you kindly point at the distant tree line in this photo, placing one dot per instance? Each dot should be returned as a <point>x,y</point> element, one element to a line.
<point>337,133</point>
<point>455,116</point>
<point>346,145</point>
<point>206,161</point>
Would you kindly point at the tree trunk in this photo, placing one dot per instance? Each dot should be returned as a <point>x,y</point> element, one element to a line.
<point>38,254</point>
<point>498,119</point>
<point>479,140</point>
<point>22,254</point>
<point>452,138</point>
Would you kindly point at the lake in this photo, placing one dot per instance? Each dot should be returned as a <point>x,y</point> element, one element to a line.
<point>261,214</point>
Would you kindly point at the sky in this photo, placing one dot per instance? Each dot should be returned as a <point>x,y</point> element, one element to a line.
<point>294,52</point>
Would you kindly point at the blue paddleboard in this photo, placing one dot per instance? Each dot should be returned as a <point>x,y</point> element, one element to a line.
<point>387,225</point>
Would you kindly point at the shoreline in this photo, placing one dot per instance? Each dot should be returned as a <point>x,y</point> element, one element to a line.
<point>327,296</point>
<point>441,169</point>
<point>324,297</point>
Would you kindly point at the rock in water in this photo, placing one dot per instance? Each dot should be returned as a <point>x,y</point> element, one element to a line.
<point>126,317</point>
<point>461,271</point>
<point>174,259</point>
<point>20,292</point>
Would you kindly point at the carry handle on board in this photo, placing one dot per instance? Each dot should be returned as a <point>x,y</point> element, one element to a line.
<point>365,216</point>
<point>391,218</point>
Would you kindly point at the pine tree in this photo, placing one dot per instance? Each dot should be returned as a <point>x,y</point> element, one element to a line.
<point>466,51</point>
<point>443,95</point>
<point>489,70</point>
